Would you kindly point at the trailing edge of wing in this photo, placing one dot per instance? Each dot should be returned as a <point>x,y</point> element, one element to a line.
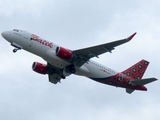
<point>143,81</point>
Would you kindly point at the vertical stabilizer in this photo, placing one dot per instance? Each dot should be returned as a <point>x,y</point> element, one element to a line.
<point>136,71</point>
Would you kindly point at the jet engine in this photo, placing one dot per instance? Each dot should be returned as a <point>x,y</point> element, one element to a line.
<point>64,53</point>
<point>40,68</point>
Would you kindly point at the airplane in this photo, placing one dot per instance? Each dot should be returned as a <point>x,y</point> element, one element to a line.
<point>62,62</point>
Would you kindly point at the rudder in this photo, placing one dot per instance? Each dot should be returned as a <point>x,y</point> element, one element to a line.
<point>137,70</point>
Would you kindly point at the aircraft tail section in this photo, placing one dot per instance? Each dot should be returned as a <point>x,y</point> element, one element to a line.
<point>137,70</point>
<point>140,84</point>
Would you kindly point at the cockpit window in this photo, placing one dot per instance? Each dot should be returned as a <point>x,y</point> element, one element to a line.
<point>16,30</point>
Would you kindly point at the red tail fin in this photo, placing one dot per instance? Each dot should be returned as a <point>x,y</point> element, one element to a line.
<point>136,71</point>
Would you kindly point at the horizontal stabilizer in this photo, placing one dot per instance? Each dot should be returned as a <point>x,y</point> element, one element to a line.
<point>143,81</point>
<point>129,90</point>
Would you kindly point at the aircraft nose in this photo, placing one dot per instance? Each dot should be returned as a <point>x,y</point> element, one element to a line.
<point>5,34</point>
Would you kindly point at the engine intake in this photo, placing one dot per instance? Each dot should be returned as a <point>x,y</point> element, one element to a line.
<point>40,68</point>
<point>64,53</point>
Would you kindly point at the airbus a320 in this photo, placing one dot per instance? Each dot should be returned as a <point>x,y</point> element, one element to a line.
<point>62,62</point>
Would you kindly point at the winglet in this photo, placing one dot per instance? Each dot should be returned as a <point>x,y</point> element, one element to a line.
<point>130,37</point>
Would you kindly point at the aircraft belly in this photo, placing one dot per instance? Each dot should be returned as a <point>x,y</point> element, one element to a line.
<point>83,71</point>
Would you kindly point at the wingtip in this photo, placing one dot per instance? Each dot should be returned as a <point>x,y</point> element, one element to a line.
<point>130,37</point>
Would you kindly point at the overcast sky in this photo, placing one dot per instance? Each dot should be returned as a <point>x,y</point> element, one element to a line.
<point>26,95</point>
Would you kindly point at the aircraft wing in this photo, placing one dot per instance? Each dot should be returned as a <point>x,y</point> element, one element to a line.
<point>85,54</point>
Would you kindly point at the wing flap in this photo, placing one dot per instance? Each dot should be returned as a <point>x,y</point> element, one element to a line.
<point>55,78</point>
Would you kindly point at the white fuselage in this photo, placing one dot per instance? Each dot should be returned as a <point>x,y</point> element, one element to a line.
<point>47,50</point>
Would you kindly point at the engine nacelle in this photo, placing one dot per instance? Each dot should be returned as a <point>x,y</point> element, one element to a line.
<point>64,53</point>
<point>40,68</point>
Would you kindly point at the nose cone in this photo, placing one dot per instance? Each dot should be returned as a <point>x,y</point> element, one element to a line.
<point>7,35</point>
